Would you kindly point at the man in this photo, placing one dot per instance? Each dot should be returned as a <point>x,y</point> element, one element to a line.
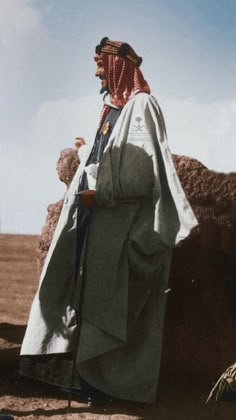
<point>103,287</point>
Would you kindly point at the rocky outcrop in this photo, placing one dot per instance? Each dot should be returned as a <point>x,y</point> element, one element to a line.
<point>67,165</point>
<point>211,194</point>
<point>201,310</point>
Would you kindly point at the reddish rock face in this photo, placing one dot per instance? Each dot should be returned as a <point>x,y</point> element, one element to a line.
<point>211,194</point>
<point>67,165</point>
<point>199,334</point>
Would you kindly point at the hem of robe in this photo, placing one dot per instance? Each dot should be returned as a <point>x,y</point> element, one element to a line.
<point>128,371</point>
<point>64,385</point>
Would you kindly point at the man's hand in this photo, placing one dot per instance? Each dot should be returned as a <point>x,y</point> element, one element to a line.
<point>87,198</point>
<point>79,141</point>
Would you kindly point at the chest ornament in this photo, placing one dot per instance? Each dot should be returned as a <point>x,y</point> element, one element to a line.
<point>106,128</point>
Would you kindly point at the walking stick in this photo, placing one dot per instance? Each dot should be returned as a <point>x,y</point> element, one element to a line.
<point>81,252</point>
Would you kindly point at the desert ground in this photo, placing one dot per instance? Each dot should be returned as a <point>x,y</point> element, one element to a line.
<point>179,396</point>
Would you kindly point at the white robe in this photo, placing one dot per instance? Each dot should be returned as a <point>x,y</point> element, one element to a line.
<point>142,213</point>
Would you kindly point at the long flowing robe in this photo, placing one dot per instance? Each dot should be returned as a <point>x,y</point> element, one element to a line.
<point>142,213</point>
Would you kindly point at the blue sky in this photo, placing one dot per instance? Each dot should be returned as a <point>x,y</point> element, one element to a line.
<point>49,93</point>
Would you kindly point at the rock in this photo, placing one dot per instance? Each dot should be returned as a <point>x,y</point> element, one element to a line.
<point>201,309</point>
<point>67,165</point>
<point>211,194</point>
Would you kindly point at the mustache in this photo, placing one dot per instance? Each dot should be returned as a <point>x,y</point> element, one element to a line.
<point>101,77</point>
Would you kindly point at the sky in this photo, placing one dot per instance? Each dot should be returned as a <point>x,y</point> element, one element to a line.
<point>49,94</point>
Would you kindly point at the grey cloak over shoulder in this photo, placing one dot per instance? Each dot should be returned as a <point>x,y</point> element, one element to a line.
<point>142,213</point>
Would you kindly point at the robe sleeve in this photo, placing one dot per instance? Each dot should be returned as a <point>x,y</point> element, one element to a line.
<point>126,170</point>
<point>137,164</point>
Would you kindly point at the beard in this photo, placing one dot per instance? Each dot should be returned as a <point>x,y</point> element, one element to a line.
<point>104,89</point>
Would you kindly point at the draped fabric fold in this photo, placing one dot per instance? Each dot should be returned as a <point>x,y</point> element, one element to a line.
<point>142,213</point>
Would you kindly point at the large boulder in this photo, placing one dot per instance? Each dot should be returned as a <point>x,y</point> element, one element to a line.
<point>201,310</point>
<point>67,165</point>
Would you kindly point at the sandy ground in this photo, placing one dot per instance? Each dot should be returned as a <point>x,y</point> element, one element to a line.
<point>179,397</point>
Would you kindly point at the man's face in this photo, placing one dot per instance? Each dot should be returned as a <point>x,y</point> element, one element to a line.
<point>100,72</point>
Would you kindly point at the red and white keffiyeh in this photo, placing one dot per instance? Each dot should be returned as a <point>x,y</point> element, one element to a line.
<point>121,71</point>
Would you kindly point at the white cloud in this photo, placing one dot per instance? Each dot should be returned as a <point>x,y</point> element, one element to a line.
<point>206,132</point>
<point>33,57</point>
<point>19,21</point>
<point>57,123</point>
<point>203,131</point>
<point>28,21</point>
<point>29,181</point>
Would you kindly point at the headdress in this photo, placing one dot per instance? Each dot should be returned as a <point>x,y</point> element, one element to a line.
<point>122,49</point>
<point>121,66</point>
